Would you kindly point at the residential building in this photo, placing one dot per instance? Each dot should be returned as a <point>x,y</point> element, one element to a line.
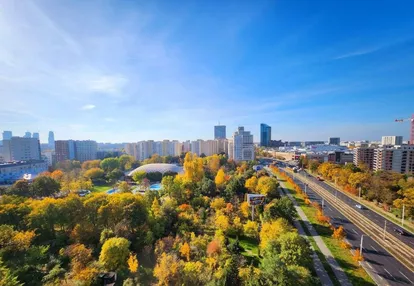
<point>243,146</point>
<point>230,148</point>
<point>21,149</point>
<point>399,159</point>
<point>196,147</point>
<point>334,141</point>
<point>65,150</point>
<point>7,135</point>
<point>220,132</point>
<point>392,140</point>
<point>51,140</point>
<point>49,156</point>
<point>186,146</point>
<point>265,135</point>
<point>222,146</point>
<point>364,155</point>
<point>11,172</point>
<point>178,148</point>
<point>340,157</point>
<point>294,144</point>
<point>27,135</point>
<point>85,150</point>
<point>133,150</point>
<point>36,135</point>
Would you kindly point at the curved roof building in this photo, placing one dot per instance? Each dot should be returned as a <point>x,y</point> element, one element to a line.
<point>158,167</point>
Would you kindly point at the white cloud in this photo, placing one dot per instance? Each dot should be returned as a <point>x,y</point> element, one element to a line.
<point>88,107</point>
<point>109,119</point>
<point>109,84</point>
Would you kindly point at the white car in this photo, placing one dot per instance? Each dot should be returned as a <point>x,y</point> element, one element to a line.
<point>358,206</point>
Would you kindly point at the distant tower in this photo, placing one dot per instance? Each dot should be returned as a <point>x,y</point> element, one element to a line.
<point>220,131</point>
<point>265,135</point>
<point>27,135</point>
<point>7,135</point>
<point>51,140</point>
<point>36,135</point>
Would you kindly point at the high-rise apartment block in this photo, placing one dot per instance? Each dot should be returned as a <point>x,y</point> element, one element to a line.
<point>334,141</point>
<point>27,135</point>
<point>21,149</point>
<point>242,145</point>
<point>36,135</point>
<point>265,135</point>
<point>392,140</point>
<point>7,135</point>
<point>364,155</point>
<point>399,159</point>
<point>51,140</point>
<point>82,150</point>
<point>220,132</point>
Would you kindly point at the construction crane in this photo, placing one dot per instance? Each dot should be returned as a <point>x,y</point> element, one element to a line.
<point>404,119</point>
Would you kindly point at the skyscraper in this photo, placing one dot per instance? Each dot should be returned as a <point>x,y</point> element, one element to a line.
<point>51,140</point>
<point>334,141</point>
<point>7,135</point>
<point>243,147</point>
<point>36,135</point>
<point>265,135</point>
<point>27,135</point>
<point>220,132</point>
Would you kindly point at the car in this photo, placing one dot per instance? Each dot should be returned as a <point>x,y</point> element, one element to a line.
<point>399,231</point>
<point>319,179</point>
<point>358,206</point>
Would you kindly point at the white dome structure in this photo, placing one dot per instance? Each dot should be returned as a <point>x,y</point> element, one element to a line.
<point>158,167</point>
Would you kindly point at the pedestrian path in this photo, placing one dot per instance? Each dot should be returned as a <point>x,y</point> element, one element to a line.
<point>338,271</point>
<point>317,263</point>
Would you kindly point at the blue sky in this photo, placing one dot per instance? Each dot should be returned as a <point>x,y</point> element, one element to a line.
<point>124,71</point>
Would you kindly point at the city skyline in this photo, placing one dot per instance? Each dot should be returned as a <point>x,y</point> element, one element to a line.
<point>136,71</point>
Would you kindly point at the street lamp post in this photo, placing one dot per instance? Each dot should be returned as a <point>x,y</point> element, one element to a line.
<point>360,247</point>
<point>306,185</point>
<point>359,196</point>
<point>385,228</point>
<point>402,217</point>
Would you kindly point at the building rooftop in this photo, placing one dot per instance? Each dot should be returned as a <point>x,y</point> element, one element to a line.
<point>158,167</point>
<point>17,163</point>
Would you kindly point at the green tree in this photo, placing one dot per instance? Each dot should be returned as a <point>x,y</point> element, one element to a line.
<point>21,188</point>
<point>125,162</point>
<point>115,174</point>
<point>94,173</point>
<point>138,176</point>
<point>110,164</point>
<point>44,186</point>
<point>294,250</point>
<point>208,187</point>
<point>115,253</point>
<point>124,187</point>
<point>6,277</point>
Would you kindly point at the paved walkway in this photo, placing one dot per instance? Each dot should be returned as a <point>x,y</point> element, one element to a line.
<point>338,271</point>
<point>320,270</point>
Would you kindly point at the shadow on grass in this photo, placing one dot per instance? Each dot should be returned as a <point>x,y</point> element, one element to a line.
<point>355,280</point>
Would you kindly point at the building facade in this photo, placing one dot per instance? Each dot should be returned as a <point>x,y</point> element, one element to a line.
<point>21,149</point>
<point>11,172</point>
<point>399,159</point>
<point>7,135</point>
<point>412,131</point>
<point>243,146</point>
<point>36,135</point>
<point>265,135</point>
<point>334,141</point>
<point>364,155</point>
<point>392,140</point>
<point>80,150</point>
<point>220,132</point>
<point>51,140</point>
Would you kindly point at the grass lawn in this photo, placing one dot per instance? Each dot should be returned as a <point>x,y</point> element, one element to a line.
<point>101,188</point>
<point>355,273</point>
<point>250,249</point>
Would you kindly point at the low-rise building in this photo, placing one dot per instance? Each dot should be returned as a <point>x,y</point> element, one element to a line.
<point>11,172</point>
<point>364,155</point>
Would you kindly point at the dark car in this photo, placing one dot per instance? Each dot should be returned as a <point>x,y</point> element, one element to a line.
<point>399,231</point>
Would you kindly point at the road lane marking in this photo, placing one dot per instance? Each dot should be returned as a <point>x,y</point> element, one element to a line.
<point>330,209</point>
<point>355,231</point>
<point>412,283</point>
<point>389,274</point>
<point>369,265</point>
<point>374,248</point>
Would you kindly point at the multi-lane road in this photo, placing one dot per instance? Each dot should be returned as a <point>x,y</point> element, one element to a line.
<point>387,269</point>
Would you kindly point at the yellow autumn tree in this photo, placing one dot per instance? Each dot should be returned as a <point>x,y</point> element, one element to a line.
<point>220,178</point>
<point>193,168</point>
<point>185,251</point>
<point>133,263</point>
<point>166,270</point>
<point>214,163</point>
<point>251,184</point>
<point>339,233</point>
<point>251,229</point>
<point>271,231</point>
<point>155,208</point>
<point>244,209</point>
<point>218,204</point>
<point>222,222</point>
